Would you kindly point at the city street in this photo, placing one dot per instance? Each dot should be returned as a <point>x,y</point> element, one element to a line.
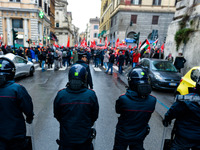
<point>43,87</point>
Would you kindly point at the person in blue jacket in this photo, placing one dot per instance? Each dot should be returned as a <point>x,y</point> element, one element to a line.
<point>186,111</point>
<point>76,108</point>
<point>135,108</point>
<point>15,104</point>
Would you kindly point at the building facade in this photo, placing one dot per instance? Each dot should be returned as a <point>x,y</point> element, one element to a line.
<point>188,12</point>
<point>64,28</point>
<point>149,17</point>
<point>105,19</point>
<point>31,18</point>
<point>93,30</point>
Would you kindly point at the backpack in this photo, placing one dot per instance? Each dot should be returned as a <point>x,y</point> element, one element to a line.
<point>64,54</point>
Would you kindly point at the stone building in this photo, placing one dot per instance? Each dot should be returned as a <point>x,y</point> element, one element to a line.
<point>64,28</point>
<point>31,18</point>
<point>187,12</point>
<point>93,30</point>
<point>105,19</point>
<point>149,17</point>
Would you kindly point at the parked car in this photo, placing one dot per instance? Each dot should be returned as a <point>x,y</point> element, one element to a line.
<point>23,67</point>
<point>188,82</point>
<point>162,73</point>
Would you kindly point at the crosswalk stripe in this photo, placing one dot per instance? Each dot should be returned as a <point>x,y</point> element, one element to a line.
<point>51,69</point>
<point>115,67</point>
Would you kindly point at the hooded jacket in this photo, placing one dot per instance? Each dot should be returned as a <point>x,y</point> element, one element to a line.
<point>76,112</point>
<point>187,115</point>
<point>135,114</point>
<point>14,102</point>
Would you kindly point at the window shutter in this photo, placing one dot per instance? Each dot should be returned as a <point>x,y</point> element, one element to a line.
<point>159,2</point>
<point>154,2</point>
<point>140,2</point>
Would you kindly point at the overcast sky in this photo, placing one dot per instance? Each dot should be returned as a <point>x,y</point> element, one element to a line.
<point>82,11</point>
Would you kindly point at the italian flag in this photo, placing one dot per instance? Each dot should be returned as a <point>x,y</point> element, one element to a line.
<point>145,44</point>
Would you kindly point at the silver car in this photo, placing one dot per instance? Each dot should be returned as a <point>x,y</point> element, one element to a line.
<point>23,67</point>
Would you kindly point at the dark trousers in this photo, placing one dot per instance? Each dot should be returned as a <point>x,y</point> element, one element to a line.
<point>181,143</point>
<point>64,61</point>
<point>84,146</point>
<point>17,144</point>
<point>120,145</point>
<point>120,69</point>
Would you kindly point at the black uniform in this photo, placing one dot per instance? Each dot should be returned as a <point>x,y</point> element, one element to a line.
<point>89,76</point>
<point>14,101</point>
<point>76,112</point>
<point>187,124</point>
<point>132,126</point>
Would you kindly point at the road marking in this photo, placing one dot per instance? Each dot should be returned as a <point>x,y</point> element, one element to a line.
<point>96,68</point>
<point>51,69</point>
<point>115,67</point>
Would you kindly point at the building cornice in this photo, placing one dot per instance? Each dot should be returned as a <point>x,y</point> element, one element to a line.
<point>143,8</point>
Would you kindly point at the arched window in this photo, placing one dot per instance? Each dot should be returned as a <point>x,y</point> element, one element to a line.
<point>131,35</point>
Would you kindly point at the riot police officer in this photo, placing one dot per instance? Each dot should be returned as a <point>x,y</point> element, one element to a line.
<point>186,111</point>
<point>135,108</point>
<point>76,108</point>
<point>82,59</point>
<point>14,102</point>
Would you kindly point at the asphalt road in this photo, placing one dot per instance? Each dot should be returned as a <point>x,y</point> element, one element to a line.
<point>43,87</point>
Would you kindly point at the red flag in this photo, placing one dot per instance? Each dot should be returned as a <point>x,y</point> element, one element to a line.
<point>117,43</point>
<point>129,46</point>
<point>5,45</point>
<point>68,42</point>
<point>106,42</point>
<point>100,41</point>
<point>139,45</point>
<point>162,48</point>
<point>76,45</point>
<point>94,43</point>
<point>109,43</point>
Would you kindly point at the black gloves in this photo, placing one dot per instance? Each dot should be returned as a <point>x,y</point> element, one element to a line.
<point>166,122</point>
<point>29,120</point>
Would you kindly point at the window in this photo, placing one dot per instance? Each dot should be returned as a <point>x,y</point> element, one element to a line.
<point>195,74</point>
<point>45,7</point>
<point>57,25</point>
<point>20,60</point>
<point>196,1</point>
<point>96,27</point>
<point>134,19</point>
<point>15,0</point>
<point>136,2</point>
<point>111,22</point>
<point>17,23</point>
<point>49,11</point>
<point>40,3</point>
<point>95,35</point>
<point>156,2</point>
<point>155,19</point>
<point>115,20</point>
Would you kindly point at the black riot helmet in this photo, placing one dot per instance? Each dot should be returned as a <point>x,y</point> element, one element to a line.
<point>7,70</point>
<point>77,77</point>
<point>138,81</point>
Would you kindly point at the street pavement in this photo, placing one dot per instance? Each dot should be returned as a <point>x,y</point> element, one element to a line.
<point>43,87</point>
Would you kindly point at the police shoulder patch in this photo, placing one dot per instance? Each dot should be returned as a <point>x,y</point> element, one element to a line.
<point>152,95</point>
<point>92,90</point>
<point>122,94</point>
<point>61,89</point>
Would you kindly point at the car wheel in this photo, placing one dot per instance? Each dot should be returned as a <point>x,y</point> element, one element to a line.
<point>31,71</point>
